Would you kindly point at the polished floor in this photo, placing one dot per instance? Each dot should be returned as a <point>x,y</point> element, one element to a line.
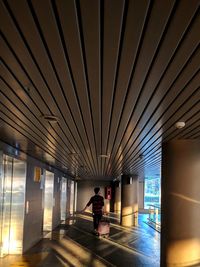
<point>74,244</point>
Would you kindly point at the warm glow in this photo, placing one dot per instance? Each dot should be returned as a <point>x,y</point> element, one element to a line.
<point>76,255</point>
<point>129,215</point>
<point>184,252</point>
<point>185,198</point>
<point>107,205</point>
<point>117,206</point>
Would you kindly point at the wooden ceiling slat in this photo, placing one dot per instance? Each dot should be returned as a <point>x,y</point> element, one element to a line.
<point>152,105</point>
<point>112,26</point>
<point>91,26</point>
<point>145,59</point>
<point>118,74</point>
<point>193,65</point>
<point>159,67</point>
<point>71,22</point>
<point>35,136</point>
<point>42,20</point>
<point>160,132</point>
<point>136,15</point>
<point>32,120</point>
<point>20,119</point>
<point>33,42</point>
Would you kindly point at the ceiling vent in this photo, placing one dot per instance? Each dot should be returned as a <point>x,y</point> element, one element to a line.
<point>50,118</point>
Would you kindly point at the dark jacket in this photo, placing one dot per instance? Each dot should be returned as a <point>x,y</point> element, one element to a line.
<point>97,202</point>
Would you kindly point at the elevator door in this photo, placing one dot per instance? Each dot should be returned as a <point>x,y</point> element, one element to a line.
<point>48,201</point>
<point>12,194</point>
<point>63,199</point>
<point>71,209</point>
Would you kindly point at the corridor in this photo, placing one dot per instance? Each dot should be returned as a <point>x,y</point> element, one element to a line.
<point>73,244</point>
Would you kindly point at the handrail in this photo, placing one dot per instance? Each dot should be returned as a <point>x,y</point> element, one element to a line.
<point>151,205</point>
<point>132,213</point>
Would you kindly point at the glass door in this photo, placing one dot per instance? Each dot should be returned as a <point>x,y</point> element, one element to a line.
<point>48,201</point>
<point>63,199</point>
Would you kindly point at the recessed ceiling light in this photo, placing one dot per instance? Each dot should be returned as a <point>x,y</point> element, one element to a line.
<point>180,124</point>
<point>50,118</point>
<point>104,156</point>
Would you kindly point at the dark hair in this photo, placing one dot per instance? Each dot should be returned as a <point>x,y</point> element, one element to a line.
<point>96,190</point>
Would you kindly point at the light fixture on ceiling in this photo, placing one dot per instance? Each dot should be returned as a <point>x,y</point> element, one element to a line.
<point>50,118</point>
<point>180,124</point>
<point>104,156</point>
<point>141,156</point>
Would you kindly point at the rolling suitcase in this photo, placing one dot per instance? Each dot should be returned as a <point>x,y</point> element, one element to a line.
<point>104,228</point>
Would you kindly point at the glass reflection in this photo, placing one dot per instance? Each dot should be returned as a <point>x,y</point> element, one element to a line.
<point>63,200</point>
<point>48,201</point>
<point>13,180</point>
<point>71,209</point>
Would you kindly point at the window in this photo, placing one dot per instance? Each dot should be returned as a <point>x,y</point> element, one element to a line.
<point>152,192</point>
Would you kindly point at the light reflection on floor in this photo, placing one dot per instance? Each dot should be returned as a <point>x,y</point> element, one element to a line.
<point>73,244</point>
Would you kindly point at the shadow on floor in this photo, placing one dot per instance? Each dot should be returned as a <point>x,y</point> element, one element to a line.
<point>73,244</point>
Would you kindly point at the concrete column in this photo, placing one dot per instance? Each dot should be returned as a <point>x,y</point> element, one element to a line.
<point>180,233</point>
<point>129,201</point>
<point>117,202</point>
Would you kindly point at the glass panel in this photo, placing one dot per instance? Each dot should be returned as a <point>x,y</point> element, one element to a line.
<point>48,201</point>
<point>75,197</point>
<point>71,197</point>
<point>13,180</point>
<point>17,207</point>
<point>152,193</point>
<point>6,186</point>
<point>63,200</point>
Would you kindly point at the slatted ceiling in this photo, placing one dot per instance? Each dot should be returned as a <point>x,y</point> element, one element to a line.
<point>130,41</point>
<point>196,136</point>
<point>194,131</point>
<point>89,127</point>
<point>128,131</point>
<point>165,105</point>
<point>175,120</point>
<point>92,54</point>
<point>63,10</point>
<point>32,131</point>
<point>25,112</point>
<point>162,133</point>
<point>27,136</point>
<point>117,78</point>
<point>111,43</point>
<point>194,127</point>
<point>49,102</point>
